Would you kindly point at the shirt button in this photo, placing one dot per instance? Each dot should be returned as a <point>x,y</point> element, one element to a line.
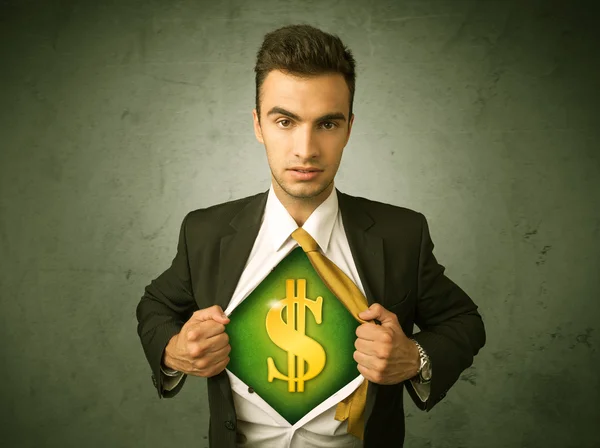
<point>230,425</point>
<point>250,390</point>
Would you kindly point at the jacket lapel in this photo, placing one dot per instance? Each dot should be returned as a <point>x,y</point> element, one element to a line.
<point>366,248</point>
<point>234,251</point>
<point>235,247</point>
<point>367,252</point>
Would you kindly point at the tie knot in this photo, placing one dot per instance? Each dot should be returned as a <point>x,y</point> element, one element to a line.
<point>304,239</point>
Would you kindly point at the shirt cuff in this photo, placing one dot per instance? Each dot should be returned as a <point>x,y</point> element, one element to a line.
<point>422,390</point>
<point>169,382</point>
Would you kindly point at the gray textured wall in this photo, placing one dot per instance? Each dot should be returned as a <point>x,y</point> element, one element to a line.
<point>117,118</point>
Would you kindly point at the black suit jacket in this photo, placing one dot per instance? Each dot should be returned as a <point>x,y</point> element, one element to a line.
<point>393,252</point>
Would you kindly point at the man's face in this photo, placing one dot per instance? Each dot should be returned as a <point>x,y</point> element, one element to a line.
<point>297,134</point>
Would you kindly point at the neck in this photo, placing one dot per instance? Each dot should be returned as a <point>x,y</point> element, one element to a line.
<point>301,208</point>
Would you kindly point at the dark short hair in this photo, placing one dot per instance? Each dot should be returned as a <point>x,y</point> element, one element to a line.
<point>303,50</point>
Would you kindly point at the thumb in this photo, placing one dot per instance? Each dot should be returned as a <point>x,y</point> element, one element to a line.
<point>214,312</point>
<point>377,312</point>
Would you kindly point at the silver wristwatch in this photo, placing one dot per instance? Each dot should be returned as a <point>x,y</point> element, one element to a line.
<point>424,373</point>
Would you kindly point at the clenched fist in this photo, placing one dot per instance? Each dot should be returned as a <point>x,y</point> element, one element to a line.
<point>202,347</point>
<point>385,355</point>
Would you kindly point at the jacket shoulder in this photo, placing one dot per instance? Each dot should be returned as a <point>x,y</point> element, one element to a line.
<point>221,213</point>
<point>382,212</point>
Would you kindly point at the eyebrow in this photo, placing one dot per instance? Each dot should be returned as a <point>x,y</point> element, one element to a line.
<point>287,113</point>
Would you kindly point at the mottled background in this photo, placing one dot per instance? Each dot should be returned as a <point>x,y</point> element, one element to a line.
<point>117,118</point>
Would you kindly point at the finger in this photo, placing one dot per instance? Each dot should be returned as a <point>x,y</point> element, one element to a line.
<point>370,331</point>
<point>214,312</point>
<point>217,342</point>
<point>377,311</point>
<point>204,330</point>
<point>370,362</point>
<point>218,352</point>
<point>369,374</point>
<point>207,348</point>
<point>211,366</point>
<point>218,368</point>
<point>367,347</point>
<point>208,370</point>
<point>203,355</point>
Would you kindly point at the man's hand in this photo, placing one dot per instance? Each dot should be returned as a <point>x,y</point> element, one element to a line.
<point>202,347</point>
<point>385,355</point>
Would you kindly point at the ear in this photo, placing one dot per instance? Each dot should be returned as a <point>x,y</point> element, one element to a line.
<point>257,128</point>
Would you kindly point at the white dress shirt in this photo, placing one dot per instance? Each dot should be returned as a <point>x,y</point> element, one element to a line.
<point>261,425</point>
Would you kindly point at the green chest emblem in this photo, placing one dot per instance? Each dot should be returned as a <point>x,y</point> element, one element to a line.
<point>292,340</point>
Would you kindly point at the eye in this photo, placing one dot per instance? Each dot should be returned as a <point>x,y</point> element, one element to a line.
<point>332,123</point>
<point>283,121</point>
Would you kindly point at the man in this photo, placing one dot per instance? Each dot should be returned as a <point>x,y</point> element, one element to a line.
<point>305,82</point>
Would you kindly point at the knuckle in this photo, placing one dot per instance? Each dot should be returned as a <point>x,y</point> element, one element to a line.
<point>197,315</point>
<point>197,351</point>
<point>201,364</point>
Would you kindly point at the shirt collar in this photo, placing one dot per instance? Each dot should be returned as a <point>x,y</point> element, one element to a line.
<point>319,224</point>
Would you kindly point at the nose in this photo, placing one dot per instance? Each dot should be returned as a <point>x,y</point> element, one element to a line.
<point>305,144</point>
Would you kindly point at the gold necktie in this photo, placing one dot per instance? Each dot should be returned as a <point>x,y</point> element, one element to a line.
<point>352,407</point>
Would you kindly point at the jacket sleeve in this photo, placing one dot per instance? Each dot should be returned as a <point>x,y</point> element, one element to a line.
<point>451,330</point>
<point>167,303</point>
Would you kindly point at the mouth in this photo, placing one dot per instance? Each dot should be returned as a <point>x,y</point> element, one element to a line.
<point>305,170</point>
<point>301,174</point>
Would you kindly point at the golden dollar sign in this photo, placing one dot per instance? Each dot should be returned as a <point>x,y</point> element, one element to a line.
<point>290,335</point>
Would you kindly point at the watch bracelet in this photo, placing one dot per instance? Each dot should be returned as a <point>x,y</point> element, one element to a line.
<point>423,357</point>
